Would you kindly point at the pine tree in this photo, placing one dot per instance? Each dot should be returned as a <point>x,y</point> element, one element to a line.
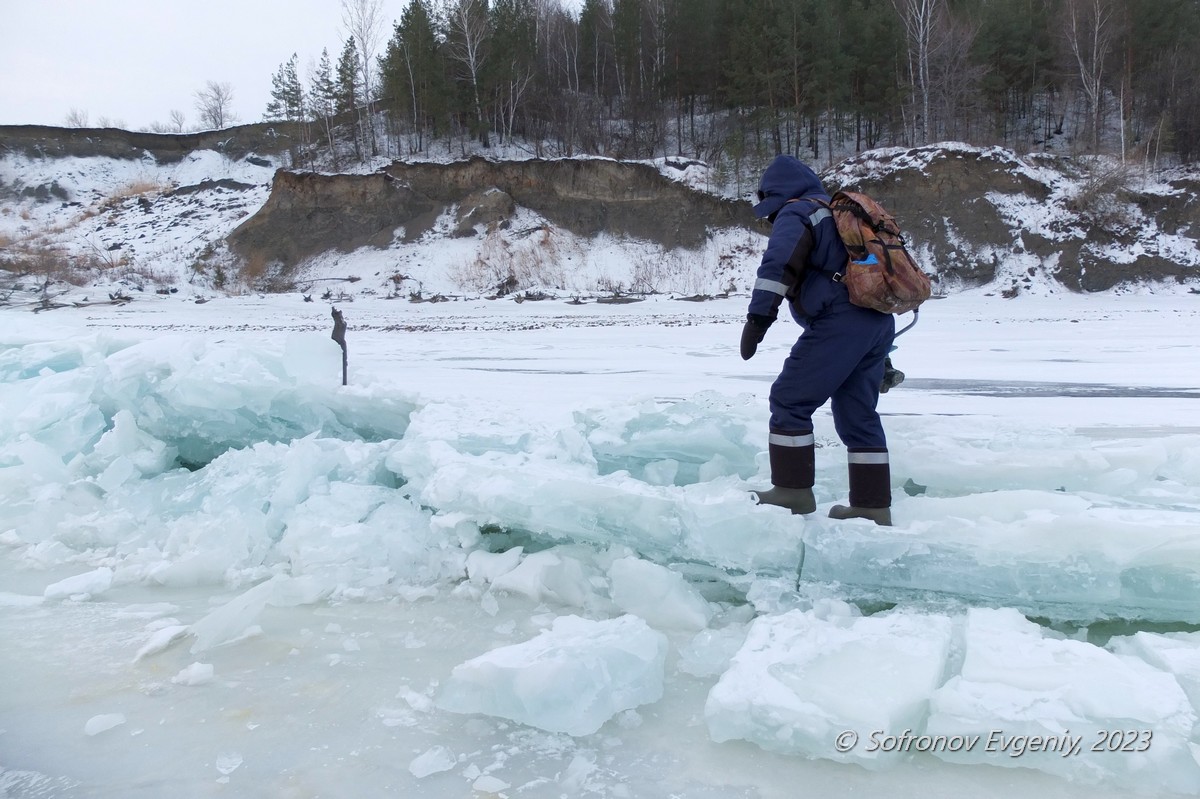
<point>322,91</point>
<point>414,72</point>
<point>1163,62</point>
<point>287,95</point>
<point>347,83</point>
<point>322,99</point>
<point>874,50</point>
<point>758,70</point>
<point>627,46</point>
<point>1015,49</point>
<point>595,48</point>
<point>348,91</point>
<point>692,65</point>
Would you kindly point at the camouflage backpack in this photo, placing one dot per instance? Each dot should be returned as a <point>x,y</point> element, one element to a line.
<point>880,274</point>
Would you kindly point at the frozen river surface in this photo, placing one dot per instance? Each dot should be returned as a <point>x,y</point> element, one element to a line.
<point>517,556</point>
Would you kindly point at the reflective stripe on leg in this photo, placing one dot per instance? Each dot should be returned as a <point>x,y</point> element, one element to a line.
<point>870,478</point>
<point>782,440</point>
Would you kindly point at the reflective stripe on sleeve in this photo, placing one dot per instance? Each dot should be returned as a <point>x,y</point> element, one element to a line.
<point>867,457</point>
<point>780,440</point>
<point>773,286</point>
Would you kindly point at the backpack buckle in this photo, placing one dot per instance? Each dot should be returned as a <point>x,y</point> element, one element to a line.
<point>837,277</point>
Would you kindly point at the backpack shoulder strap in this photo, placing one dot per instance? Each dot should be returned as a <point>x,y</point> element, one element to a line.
<point>817,216</point>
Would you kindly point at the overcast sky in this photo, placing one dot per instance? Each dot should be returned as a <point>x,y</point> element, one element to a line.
<point>131,62</point>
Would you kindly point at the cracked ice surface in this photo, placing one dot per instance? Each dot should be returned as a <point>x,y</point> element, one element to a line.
<point>285,471</point>
<point>215,515</point>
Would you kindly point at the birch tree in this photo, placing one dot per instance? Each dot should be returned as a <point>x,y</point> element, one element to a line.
<point>363,20</point>
<point>513,31</point>
<point>1090,30</point>
<point>920,20</point>
<point>467,44</point>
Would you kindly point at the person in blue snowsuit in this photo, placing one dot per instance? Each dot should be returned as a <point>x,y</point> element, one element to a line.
<point>839,356</point>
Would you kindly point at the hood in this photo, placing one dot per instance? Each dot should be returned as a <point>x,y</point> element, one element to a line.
<point>786,178</point>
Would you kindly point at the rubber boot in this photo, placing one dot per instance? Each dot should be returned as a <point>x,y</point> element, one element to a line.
<point>892,377</point>
<point>793,472</point>
<point>797,500</point>
<point>881,516</point>
<point>870,488</point>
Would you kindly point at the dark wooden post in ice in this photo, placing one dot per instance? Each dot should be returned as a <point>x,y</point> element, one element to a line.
<point>339,335</point>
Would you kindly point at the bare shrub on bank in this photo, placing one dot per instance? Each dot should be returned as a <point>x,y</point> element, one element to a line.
<point>133,190</point>
<point>47,265</point>
<point>678,271</point>
<point>508,261</point>
<point>1103,195</point>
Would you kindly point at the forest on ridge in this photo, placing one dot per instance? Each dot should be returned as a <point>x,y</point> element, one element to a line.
<point>731,81</point>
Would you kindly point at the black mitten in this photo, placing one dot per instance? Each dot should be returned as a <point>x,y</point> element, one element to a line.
<point>752,334</point>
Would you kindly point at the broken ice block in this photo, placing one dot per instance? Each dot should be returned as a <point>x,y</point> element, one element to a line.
<point>1065,707</point>
<point>800,684</point>
<point>572,678</point>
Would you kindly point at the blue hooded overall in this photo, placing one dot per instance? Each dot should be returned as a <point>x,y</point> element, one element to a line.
<point>840,355</point>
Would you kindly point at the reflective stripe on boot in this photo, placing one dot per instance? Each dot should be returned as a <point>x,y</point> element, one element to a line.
<point>792,472</point>
<point>792,459</point>
<point>870,487</point>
